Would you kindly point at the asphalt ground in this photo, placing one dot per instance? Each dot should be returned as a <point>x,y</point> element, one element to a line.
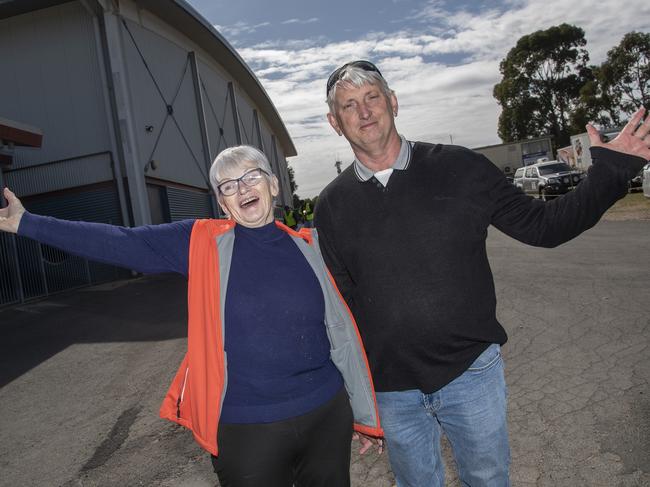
<point>82,374</point>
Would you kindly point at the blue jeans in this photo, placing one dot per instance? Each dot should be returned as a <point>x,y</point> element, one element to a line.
<point>471,410</point>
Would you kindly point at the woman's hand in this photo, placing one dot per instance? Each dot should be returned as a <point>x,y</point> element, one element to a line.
<point>11,215</point>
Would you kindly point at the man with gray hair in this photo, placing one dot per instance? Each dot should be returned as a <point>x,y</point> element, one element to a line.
<point>411,263</point>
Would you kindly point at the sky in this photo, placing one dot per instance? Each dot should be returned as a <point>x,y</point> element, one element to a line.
<point>441,58</point>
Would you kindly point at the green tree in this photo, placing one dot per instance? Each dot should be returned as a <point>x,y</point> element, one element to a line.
<point>540,87</point>
<point>621,84</point>
<point>293,186</point>
<point>593,106</point>
<point>297,202</point>
<point>292,180</point>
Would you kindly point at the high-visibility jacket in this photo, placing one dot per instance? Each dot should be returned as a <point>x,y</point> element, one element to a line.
<point>309,213</point>
<point>196,394</point>
<point>289,219</point>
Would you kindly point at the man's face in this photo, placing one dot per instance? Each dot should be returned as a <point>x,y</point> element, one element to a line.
<point>364,115</point>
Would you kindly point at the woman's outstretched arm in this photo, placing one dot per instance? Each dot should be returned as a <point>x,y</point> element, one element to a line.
<point>148,249</point>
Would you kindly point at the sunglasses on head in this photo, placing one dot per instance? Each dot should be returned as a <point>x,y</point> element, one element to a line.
<point>337,74</point>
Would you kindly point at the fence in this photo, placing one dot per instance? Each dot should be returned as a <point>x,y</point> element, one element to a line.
<point>32,270</point>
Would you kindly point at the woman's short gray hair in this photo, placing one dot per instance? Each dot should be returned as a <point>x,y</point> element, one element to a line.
<point>357,77</point>
<point>234,158</point>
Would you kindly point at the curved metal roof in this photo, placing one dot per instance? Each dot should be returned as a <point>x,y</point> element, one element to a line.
<point>184,18</point>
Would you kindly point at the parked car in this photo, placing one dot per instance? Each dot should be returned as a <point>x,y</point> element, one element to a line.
<point>548,179</point>
<point>646,180</point>
<point>517,179</point>
<point>636,183</point>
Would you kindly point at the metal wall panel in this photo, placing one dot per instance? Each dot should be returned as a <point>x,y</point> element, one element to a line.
<point>174,143</point>
<point>95,204</point>
<point>248,128</point>
<point>282,165</point>
<point>51,80</point>
<point>218,110</point>
<point>82,171</point>
<point>184,204</point>
<point>282,161</point>
<point>158,204</point>
<point>268,146</point>
<point>271,153</point>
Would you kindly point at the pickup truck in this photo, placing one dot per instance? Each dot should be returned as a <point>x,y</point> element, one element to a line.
<point>547,179</point>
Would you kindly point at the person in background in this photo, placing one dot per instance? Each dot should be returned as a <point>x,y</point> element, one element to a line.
<point>411,262</point>
<point>289,218</point>
<point>308,213</point>
<point>278,414</point>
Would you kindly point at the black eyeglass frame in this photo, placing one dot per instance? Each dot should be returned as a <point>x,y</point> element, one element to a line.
<point>337,73</point>
<point>241,179</point>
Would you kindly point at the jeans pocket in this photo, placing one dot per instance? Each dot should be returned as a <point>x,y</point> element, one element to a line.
<point>487,359</point>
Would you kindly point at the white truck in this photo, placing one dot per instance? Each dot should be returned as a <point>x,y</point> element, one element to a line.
<point>581,144</point>
<point>581,155</point>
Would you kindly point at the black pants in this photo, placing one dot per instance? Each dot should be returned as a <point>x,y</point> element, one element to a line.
<point>312,450</point>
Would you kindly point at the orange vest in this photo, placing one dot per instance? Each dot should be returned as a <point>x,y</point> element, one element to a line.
<point>196,394</point>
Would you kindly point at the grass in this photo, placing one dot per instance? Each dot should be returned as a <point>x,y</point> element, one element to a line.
<point>634,206</point>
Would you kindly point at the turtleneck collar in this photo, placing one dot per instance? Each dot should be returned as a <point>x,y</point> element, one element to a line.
<point>265,233</point>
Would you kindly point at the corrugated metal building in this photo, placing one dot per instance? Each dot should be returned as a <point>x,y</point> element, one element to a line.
<point>134,99</point>
<point>508,157</point>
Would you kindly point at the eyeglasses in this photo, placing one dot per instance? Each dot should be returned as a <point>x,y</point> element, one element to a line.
<point>336,75</point>
<point>250,178</point>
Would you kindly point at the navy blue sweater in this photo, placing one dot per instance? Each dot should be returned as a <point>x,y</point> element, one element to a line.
<point>276,344</point>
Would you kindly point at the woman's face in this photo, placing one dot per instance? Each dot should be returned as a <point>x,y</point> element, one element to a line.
<point>250,206</point>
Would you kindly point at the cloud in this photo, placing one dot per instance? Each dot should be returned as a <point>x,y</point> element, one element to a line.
<point>239,28</point>
<point>299,21</point>
<point>443,65</point>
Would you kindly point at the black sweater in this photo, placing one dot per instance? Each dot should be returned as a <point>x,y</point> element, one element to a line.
<point>411,260</point>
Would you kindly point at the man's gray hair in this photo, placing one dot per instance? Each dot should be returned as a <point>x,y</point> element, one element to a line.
<point>234,158</point>
<point>358,77</point>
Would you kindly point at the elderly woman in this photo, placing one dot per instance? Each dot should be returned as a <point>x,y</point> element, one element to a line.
<point>279,411</point>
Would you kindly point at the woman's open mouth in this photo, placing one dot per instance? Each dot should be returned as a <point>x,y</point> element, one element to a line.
<point>251,200</point>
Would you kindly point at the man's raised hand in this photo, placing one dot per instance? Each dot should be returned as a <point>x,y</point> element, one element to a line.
<point>634,139</point>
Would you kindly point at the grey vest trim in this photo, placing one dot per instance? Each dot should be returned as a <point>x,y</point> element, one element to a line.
<point>225,244</point>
